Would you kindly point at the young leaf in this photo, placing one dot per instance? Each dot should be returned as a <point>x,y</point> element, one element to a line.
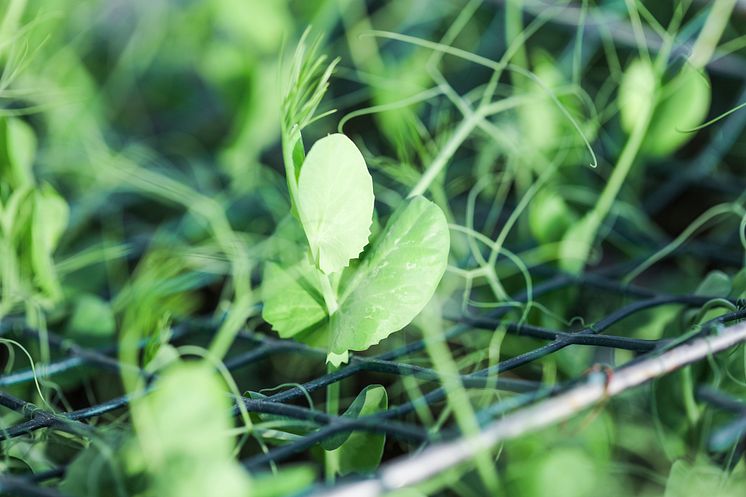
<point>92,317</point>
<point>636,92</point>
<point>395,280</point>
<point>681,104</point>
<point>287,481</point>
<point>335,202</point>
<point>186,438</point>
<point>549,216</point>
<point>360,452</point>
<point>372,399</point>
<point>17,149</point>
<point>715,284</point>
<point>381,295</point>
<point>49,222</point>
<point>292,303</point>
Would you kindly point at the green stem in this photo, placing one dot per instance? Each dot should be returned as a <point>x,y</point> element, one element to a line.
<point>687,387</point>
<point>459,136</point>
<point>330,296</point>
<point>513,31</point>
<point>331,457</point>
<point>623,166</point>
<point>289,141</point>
<point>458,400</point>
<point>710,35</point>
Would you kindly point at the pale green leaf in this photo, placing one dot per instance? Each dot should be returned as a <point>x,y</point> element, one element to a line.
<point>636,92</point>
<point>395,280</point>
<point>693,480</point>
<point>549,216</point>
<point>380,295</point>
<point>17,151</point>
<point>335,202</point>
<point>184,432</point>
<point>48,223</point>
<point>682,105</point>
<point>292,302</point>
<point>51,214</point>
<point>576,244</point>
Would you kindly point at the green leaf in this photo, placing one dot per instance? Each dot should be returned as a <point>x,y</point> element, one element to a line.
<point>288,481</point>
<point>577,243</point>
<point>292,301</point>
<point>739,285</point>
<point>99,469</point>
<point>92,316</point>
<point>681,104</point>
<point>395,280</point>
<point>715,284</point>
<point>360,451</point>
<point>382,294</point>
<point>17,151</point>
<point>691,480</point>
<point>636,92</point>
<point>48,223</point>
<point>335,202</point>
<point>549,216</point>
<point>184,435</point>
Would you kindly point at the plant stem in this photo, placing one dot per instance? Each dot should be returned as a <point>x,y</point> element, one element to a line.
<point>687,387</point>
<point>462,132</point>
<point>710,35</point>
<point>331,457</point>
<point>330,296</point>
<point>289,140</point>
<point>623,166</point>
<point>457,397</point>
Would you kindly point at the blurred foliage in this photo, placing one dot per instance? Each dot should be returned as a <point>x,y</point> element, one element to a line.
<point>142,191</point>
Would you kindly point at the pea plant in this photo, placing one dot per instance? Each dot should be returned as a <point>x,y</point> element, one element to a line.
<point>333,286</point>
<point>336,281</point>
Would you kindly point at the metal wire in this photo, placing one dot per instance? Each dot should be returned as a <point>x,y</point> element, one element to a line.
<point>260,346</point>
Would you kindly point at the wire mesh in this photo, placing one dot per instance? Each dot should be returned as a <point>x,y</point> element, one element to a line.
<point>261,346</point>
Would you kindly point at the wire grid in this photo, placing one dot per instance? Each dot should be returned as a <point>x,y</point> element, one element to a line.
<point>260,346</point>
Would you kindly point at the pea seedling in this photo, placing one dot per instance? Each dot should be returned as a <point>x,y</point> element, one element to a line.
<point>326,300</point>
<point>330,288</point>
